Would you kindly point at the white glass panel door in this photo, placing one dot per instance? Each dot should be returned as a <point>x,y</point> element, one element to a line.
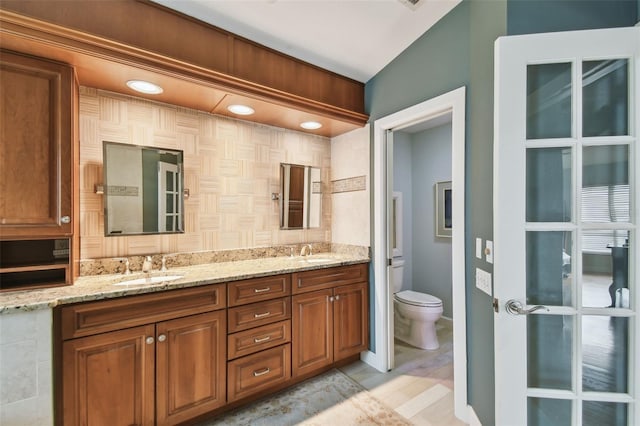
<point>169,198</point>
<point>566,203</point>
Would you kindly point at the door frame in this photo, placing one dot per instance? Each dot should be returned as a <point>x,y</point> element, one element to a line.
<point>453,103</point>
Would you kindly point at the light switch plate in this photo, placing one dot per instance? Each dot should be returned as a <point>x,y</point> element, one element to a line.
<point>479,248</point>
<point>489,251</point>
<point>483,280</point>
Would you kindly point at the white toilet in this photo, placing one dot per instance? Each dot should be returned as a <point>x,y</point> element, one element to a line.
<point>415,313</point>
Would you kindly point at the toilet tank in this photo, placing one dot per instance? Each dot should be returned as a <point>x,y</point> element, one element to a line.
<point>397,266</point>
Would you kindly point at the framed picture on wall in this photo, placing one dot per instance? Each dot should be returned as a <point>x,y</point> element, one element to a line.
<point>443,209</point>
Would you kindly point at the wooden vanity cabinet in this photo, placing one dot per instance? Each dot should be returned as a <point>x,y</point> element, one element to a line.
<point>259,326</point>
<point>329,324</point>
<point>167,370</point>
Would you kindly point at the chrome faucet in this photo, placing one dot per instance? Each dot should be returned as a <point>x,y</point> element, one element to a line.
<point>306,250</point>
<point>147,264</point>
<point>127,271</point>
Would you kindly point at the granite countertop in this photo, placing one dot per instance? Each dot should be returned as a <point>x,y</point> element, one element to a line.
<point>97,287</point>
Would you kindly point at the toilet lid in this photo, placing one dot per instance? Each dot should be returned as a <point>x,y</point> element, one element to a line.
<point>418,299</point>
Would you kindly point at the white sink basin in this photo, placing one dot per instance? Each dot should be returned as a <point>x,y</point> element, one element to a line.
<point>316,259</point>
<point>150,280</point>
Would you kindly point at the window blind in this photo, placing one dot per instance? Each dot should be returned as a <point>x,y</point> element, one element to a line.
<point>604,204</point>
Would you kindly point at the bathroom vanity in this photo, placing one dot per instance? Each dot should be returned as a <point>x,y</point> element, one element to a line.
<point>219,337</point>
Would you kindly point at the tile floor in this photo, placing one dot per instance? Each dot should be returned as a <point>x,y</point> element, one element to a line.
<point>420,388</point>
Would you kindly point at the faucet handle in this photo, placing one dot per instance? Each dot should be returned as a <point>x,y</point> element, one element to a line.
<point>164,264</point>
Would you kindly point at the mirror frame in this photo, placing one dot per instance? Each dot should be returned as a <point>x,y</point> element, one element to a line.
<point>145,202</point>
<point>308,194</point>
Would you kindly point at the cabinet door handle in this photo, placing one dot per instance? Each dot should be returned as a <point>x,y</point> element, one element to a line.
<point>65,219</point>
<point>258,373</point>
<point>261,315</point>
<point>162,338</point>
<point>149,340</point>
<point>338,297</point>
<point>331,299</point>
<point>261,290</point>
<point>260,340</point>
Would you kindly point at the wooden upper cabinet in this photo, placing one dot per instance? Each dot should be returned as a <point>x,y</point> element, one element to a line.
<point>36,147</point>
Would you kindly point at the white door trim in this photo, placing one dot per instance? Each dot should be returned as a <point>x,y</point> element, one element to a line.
<point>452,102</point>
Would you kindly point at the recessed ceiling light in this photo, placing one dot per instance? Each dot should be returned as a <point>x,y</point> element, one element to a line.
<point>310,125</point>
<point>145,87</point>
<point>241,109</point>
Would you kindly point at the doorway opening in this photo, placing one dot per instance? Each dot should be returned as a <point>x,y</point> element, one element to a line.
<point>447,107</point>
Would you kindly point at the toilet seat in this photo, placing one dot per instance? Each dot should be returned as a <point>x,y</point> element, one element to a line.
<point>416,298</point>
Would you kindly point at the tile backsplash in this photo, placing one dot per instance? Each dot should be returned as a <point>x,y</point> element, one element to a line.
<point>231,168</point>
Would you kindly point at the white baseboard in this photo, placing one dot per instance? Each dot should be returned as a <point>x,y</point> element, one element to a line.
<point>473,417</point>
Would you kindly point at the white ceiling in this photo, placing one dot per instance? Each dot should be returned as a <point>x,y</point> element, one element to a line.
<point>354,38</point>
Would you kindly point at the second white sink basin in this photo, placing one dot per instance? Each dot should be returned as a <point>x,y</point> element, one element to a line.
<point>316,259</point>
<point>150,280</point>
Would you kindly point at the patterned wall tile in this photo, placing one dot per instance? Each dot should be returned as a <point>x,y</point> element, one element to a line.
<point>231,169</point>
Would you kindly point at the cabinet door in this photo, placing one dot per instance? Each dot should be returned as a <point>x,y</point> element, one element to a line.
<point>351,319</point>
<point>191,366</point>
<point>312,338</point>
<point>36,147</point>
<point>108,379</point>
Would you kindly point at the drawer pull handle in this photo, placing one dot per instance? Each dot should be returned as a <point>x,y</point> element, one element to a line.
<point>261,315</point>
<point>261,290</point>
<point>264,339</point>
<point>261,373</point>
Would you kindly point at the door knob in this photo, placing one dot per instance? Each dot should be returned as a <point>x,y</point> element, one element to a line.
<point>514,307</point>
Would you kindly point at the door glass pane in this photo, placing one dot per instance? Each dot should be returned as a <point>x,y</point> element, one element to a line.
<point>548,412</point>
<point>549,101</point>
<point>169,180</point>
<point>605,184</point>
<point>169,204</point>
<point>605,268</point>
<point>604,353</point>
<point>549,272</point>
<point>605,98</point>
<point>548,180</point>
<point>596,413</point>
<point>550,349</point>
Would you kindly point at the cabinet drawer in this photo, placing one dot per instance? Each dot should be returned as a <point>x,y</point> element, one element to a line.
<point>256,339</point>
<point>107,315</point>
<point>256,290</point>
<point>329,277</point>
<point>256,314</point>
<point>259,371</point>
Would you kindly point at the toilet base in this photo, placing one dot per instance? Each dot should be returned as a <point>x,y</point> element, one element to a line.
<point>422,336</point>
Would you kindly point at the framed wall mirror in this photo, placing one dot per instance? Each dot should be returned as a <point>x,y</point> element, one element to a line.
<point>142,190</point>
<point>300,197</point>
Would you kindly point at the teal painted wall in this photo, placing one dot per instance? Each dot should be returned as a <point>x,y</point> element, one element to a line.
<point>538,16</point>
<point>458,51</point>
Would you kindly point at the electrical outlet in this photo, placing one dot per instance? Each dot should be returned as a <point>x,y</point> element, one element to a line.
<point>483,280</point>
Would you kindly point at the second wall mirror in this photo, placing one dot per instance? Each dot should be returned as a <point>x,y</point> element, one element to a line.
<point>301,196</point>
